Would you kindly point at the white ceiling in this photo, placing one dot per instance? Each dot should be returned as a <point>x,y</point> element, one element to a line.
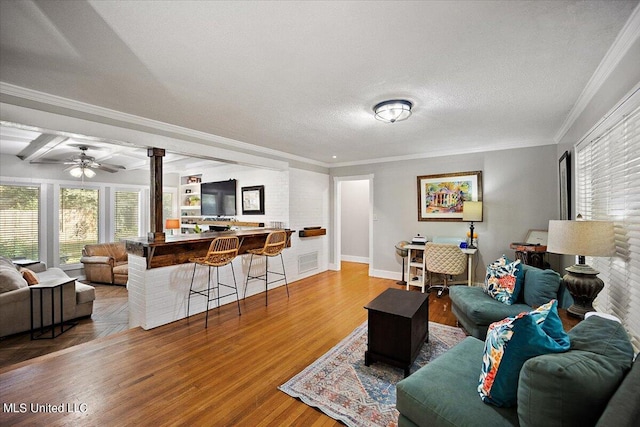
<point>302,77</point>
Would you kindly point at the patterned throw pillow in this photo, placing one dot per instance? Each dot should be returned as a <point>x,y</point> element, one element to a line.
<point>513,341</point>
<point>503,281</point>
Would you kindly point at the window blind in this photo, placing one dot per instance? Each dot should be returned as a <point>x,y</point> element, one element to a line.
<point>127,214</point>
<point>78,222</point>
<point>608,188</point>
<point>19,223</point>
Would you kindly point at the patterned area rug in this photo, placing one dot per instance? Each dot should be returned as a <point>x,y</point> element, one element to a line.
<point>341,386</point>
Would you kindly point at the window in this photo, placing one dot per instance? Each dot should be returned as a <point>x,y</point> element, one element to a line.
<point>127,214</point>
<point>167,206</point>
<point>19,224</point>
<point>78,222</point>
<point>608,173</point>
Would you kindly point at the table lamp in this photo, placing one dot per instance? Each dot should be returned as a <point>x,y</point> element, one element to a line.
<point>582,238</point>
<point>471,211</point>
<point>172,224</point>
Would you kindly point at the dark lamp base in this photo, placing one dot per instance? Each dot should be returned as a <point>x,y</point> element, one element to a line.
<point>584,288</point>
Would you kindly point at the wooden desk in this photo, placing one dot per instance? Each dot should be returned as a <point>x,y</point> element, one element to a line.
<point>419,269</point>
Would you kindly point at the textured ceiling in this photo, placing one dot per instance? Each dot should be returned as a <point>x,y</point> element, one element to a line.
<point>302,77</point>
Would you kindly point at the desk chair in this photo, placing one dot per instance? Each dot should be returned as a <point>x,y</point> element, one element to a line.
<point>221,252</point>
<point>445,259</point>
<point>274,244</point>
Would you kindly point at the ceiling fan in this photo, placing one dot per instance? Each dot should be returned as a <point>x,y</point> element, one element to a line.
<point>83,164</point>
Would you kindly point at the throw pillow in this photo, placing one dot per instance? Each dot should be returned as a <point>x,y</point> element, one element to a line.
<point>503,281</point>
<point>540,286</point>
<point>29,276</point>
<point>573,388</point>
<point>513,341</point>
<point>10,279</point>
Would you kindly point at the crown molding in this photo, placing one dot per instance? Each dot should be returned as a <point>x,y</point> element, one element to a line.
<point>70,104</point>
<point>625,39</point>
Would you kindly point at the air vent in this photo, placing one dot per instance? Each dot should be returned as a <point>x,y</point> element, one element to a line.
<point>308,262</point>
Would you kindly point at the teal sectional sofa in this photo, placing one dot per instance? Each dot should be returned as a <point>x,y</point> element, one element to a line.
<point>596,382</point>
<point>475,310</point>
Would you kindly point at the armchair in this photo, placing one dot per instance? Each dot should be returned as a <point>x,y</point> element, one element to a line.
<point>106,263</point>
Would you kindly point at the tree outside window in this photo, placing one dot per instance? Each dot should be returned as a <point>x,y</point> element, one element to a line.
<point>19,221</point>
<point>78,222</point>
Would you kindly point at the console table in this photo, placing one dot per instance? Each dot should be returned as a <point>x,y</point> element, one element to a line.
<point>51,285</point>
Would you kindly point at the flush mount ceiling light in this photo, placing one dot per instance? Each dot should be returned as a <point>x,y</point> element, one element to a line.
<point>395,110</point>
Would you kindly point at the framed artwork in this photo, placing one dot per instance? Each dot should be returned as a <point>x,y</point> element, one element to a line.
<point>565,186</point>
<point>253,200</point>
<point>440,197</point>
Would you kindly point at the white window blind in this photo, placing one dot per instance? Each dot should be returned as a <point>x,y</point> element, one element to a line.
<point>608,188</point>
<point>19,224</point>
<point>127,214</point>
<point>78,222</point>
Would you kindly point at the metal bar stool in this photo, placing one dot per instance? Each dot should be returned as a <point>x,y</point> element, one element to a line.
<point>221,252</point>
<point>274,244</point>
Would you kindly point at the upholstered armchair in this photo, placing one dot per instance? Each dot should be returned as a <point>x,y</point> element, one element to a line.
<point>106,263</point>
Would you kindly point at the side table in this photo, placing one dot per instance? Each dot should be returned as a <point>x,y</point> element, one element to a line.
<point>41,288</point>
<point>398,327</point>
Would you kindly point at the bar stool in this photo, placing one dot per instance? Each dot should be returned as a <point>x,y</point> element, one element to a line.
<point>274,244</point>
<point>221,252</point>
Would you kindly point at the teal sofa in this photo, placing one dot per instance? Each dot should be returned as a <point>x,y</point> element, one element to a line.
<point>596,383</point>
<point>476,310</point>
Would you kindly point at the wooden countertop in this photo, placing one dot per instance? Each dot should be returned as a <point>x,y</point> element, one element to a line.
<point>179,249</point>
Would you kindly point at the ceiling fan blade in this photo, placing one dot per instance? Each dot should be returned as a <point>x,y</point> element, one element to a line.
<point>109,168</point>
<point>48,162</point>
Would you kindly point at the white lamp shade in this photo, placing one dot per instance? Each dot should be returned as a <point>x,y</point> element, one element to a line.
<point>89,173</point>
<point>76,172</point>
<point>472,211</point>
<point>586,238</point>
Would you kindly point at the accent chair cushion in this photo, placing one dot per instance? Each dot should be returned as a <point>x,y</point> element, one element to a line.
<point>503,281</point>
<point>540,286</point>
<point>573,388</point>
<point>480,307</point>
<point>510,343</point>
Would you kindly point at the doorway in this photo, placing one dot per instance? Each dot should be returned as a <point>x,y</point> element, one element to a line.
<point>353,216</point>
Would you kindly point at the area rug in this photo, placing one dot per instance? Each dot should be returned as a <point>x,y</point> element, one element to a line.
<point>341,386</point>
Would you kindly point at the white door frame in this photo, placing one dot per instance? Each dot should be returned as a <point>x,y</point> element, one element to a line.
<point>337,222</point>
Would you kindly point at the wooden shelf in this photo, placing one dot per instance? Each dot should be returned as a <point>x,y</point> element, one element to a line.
<point>313,233</point>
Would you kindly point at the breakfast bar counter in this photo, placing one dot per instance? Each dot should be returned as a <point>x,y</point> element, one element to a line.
<point>160,274</point>
<point>179,249</point>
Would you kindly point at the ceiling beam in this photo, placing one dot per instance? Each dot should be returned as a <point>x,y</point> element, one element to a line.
<point>40,146</point>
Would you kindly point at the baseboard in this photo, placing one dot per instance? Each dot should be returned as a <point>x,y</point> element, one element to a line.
<point>358,259</point>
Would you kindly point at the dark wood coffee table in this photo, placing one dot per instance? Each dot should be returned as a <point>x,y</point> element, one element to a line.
<point>398,327</point>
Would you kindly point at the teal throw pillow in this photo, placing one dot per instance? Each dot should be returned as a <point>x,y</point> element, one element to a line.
<point>540,286</point>
<point>504,279</point>
<point>513,341</point>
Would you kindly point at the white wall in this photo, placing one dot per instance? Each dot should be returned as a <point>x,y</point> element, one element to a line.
<point>354,221</point>
<point>519,193</point>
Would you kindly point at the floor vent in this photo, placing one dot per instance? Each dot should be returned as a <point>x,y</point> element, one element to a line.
<point>307,262</point>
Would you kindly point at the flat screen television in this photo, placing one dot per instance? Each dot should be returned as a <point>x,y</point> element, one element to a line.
<point>218,198</point>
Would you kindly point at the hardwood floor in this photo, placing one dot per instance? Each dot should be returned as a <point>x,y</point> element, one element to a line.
<point>184,374</point>
<point>110,315</point>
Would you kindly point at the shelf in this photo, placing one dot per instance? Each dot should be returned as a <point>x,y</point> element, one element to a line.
<point>312,233</point>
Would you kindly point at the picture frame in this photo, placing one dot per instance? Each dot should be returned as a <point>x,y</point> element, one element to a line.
<point>253,200</point>
<point>440,197</point>
<point>564,173</point>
